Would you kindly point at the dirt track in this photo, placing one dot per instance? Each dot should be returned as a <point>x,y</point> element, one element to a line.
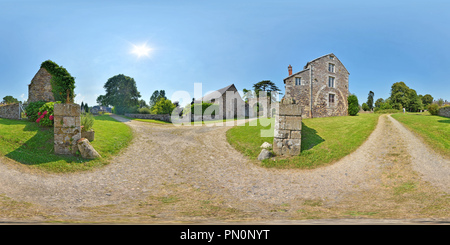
<point>191,174</point>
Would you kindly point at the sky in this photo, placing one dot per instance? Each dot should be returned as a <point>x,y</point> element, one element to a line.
<point>218,43</point>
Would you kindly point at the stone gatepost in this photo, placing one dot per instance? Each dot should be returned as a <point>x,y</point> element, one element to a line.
<point>67,128</point>
<point>288,129</point>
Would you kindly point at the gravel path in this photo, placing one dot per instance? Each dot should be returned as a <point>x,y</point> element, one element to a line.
<point>201,157</point>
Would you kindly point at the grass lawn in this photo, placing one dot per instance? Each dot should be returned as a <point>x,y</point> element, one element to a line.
<point>145,120</point>
<point>324,140</point>
<point>434,130</point>
<point>29,144</point>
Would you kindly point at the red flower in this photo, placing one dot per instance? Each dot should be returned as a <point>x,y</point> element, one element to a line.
<point>45,113</point>
<point>51,117</point>
<point>38,120</point>
<point>39,113</point>
<point>42,116</point>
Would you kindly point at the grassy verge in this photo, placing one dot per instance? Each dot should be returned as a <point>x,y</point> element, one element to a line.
<point>146,120</point>
<point>324,140</point>
<point>434,130</point>
<point>29,144</point>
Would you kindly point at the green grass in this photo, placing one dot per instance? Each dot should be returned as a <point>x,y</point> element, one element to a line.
<point>324,140</point>
<point>434,130</point>
<point>29,144</point>
<point>145,120</point>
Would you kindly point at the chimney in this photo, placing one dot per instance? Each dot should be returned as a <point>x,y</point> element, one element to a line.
<point>290,70</point>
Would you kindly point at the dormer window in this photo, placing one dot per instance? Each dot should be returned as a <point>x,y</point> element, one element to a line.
<point>331,57</point>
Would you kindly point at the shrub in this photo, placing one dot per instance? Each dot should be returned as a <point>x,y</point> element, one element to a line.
<point>45,114</point>
<point>33,109</point>
<point>433,109</point>
<point>212,107</point>
<point>163,106</point>
<point>87,121</point>
<point>365,107</point>
<point>144,110</point>
<point>353,106</point>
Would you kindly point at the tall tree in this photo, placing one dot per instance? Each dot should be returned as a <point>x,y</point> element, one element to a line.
<point>157,95</point>
<point>370,100</point>
<point>10,100</point>
<point>427,100</point>
<point>121,92</point>
<point>265,85</point>
<point>404,97</point>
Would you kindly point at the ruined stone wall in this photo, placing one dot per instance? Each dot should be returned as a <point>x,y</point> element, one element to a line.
<point>444,111</point>
<point>40,88</point>
<point>67,128</point>
<point>10,111</point>
<point>288,129</point>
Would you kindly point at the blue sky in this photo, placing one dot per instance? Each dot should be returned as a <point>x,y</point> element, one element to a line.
<point>218,43</point>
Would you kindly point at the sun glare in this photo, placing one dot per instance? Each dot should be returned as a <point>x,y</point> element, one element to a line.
<point>141,50</point>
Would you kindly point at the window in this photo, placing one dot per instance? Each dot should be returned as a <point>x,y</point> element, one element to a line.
<point>331,82</point>
<point>331,67</point>
<point>331,57</point>
<point>298,81</point>
<point>331,99</point>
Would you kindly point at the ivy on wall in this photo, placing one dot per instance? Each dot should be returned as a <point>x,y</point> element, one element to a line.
<point>63,84</point>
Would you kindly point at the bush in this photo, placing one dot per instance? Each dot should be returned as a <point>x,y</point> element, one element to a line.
<point>163,106</point>
<point>45,114</point>
<point>33,109</point>
<point>433,109</point>
<point>353,106</point>
<point>144,110</point>
<point>365,107</point>
<point>87,121</point>
<point>212,107</point>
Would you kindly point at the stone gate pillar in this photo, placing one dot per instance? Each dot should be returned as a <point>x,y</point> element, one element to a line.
<point>288,129</point>
<point>67,128</point>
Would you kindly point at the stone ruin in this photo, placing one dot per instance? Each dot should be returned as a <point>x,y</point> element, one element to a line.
<point>288,128</point>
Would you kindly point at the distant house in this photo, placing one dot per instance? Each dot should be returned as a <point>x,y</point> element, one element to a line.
<point>321,87</point>
<point>229,100</point>
<point>97,109</point>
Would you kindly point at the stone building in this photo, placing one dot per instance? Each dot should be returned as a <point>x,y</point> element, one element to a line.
<point>230,102</point>
<point>321,87</point>
<point>40,87</point>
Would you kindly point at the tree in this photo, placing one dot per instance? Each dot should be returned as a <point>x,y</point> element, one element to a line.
<point>142,104</point>
<point>404,97</point>
<point>353,105</point>
<point>365,107</point>
<point>266,85</point>
<point>157,95</point>
<point>10,100</point>
<point>370,100</point>
<point>427,100</point>
<point>121,92</point>
<point>163,106</point>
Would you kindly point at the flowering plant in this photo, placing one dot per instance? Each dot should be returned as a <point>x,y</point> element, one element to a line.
<point>46,114</point>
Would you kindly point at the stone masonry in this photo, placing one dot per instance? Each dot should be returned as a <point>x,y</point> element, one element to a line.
<point>40,88</point>
<point>288,129</point>
<point>322,87</point>
<point>67,128</point>
<point>10,111</point>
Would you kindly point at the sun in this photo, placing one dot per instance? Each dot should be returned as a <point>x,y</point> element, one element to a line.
<point>141,50</point>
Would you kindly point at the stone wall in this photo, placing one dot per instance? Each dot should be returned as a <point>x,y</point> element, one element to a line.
<point>67,128</point>
<point>288,129</point>
<point>444,111</point>
<point>40,87</point>
<point>161,117</point>
<point>10,111</point>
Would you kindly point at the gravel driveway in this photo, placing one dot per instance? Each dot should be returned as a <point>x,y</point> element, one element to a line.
<point>200,157</point>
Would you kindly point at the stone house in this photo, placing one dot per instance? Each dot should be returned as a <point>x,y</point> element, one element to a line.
<point>229,100</point>
<point>321,87</point>
<point>40,87</point>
